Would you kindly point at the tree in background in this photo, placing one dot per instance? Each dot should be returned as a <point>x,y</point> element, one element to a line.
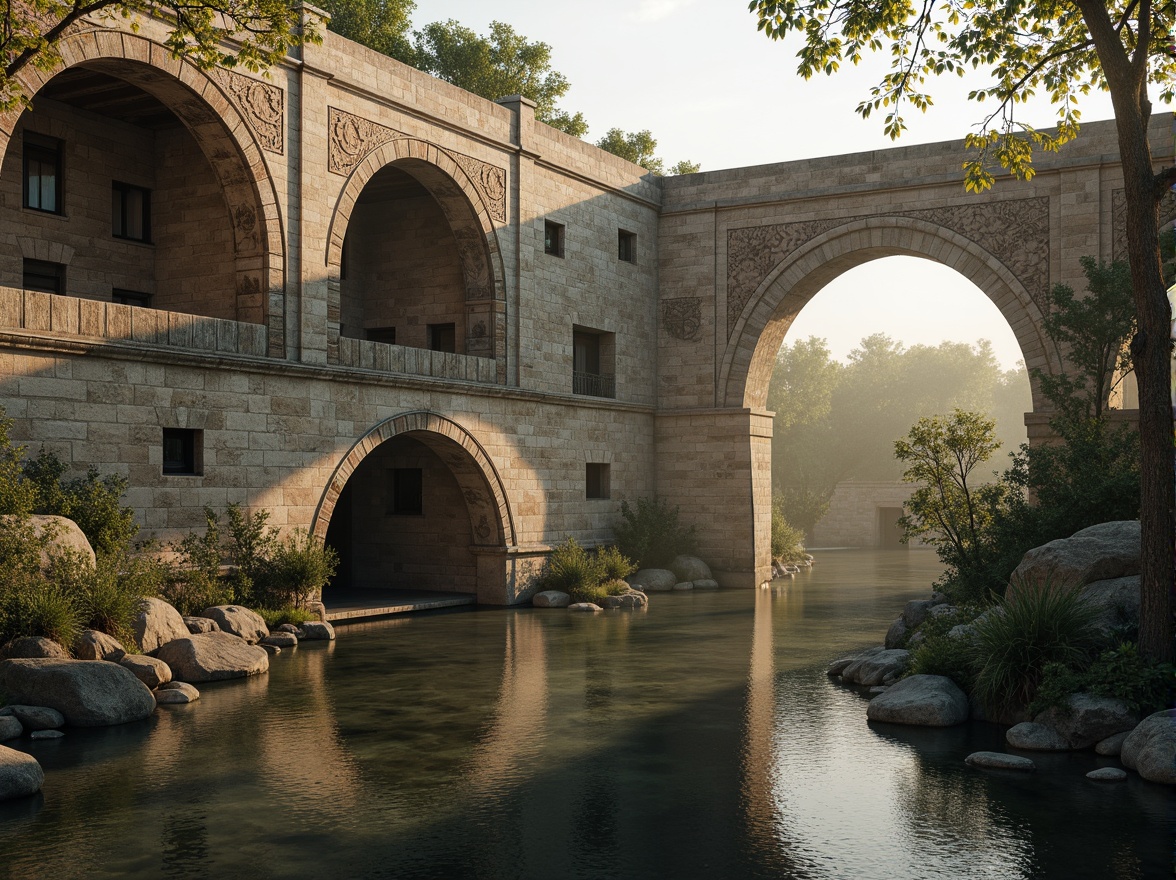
<point>1068,48</point>
<point>638,147</point>
<point>383,25</point>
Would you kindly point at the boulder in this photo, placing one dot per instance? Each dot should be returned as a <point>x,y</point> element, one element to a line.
<point>269,649</point>
<point>46,734</point>
<point>281,640</point>
<point>95,645</point>
<point>897,633</point>
<point>706,584</point>
<point>176,693</point>
<point>20,774</point>
<point>213,656</point>
<point>156,624</point>
<point>944,610</point>
<point>551,599</point>
<point>238,621</point>
<point>653,580</point>
<point>288,628</point>
<point>35,717</point>
<point>872,668</point>
<point>201,625</point>
<point>150,670</point>
<point>839,666</point>
<point>1150,749</point>
<point>962,631</point>
<point>589,607</point>
<point>1117,602</point>
<point>34,647</point>
<point>1087,719</point>
<point>66,536</point>
<point>916,611</point>
<point>690,568</point>
<point>1000,761</point>
<point>1101,552</point>
<point>318,609</point>
<point>850,671</point>
<point>317,632</point>
<point>631,599</point>
<point>88,693</point>
<point>927,700</point>
<point>1033,737</point>
<point>1107,774</point>
<point>1112,745</point>
<point>684,586</point>
<point>10,727</point>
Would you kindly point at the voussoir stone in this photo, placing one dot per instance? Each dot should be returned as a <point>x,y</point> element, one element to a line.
<point>150,670</point>
<point>873,669</point>
<point>927,700</point>
<point>1000,761</point>
<point>33,647</point>
<point>653,580</point>
<point>200,625</point>
<point>1034,737</point>
<point>10,727</point>
<point>88,693</point>
<point>1089,719</point>
<point>1112,745</point>
<point>1100,552</point>
<point>317,631</point>
<point>551,599</point>
<point>176,693</point>
<point>20,774</point>
<point>1150,749</point>
<point>897,633</point>
<point>238,621</point>
<point>213,656</point>
<point>156,624</point>
<point>35,717</point>
<point>281,640</point>
<point>95,645</point>
<point>690,568</point>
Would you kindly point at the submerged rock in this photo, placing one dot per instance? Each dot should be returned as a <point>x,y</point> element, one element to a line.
<point>926,700</point>
<point>706,584</point>
<point>1107,774</point>
<point>46,734</point>
<point>20,774</point>
<point>584,607</point>
<point>1000,761</point>
<point>88,693</point>
<point>281,640</point>
<point>551,599</point>
<point>176,692</point>
<point>1033,737</point>
<point>631,599</point>
<point>35,717</point>
<point>1087,719</point>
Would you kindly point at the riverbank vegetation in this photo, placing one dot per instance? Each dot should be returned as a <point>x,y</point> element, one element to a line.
<point>651,533</point>
<point>586,576</point>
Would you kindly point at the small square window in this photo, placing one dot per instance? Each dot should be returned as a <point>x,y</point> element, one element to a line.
<point>382,334</point>
<point>183,450</point>
<point>130,298</point>
<point>42,173</point>
<point>553,238</point>
<point>406,492</point>
<point>626,246</point>
<point>130,209</point>
<point>44,277</point>
<point>443,337</point>
<point>596,480</point>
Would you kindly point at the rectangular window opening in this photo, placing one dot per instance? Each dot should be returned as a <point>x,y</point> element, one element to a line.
<point>626,246</point>
<point>596,480</point>
<point>553,238</point>
<point>443,337</point>
<point>382,334</point>
<point>183,452</point>
<point>130,209</point>
<point>406,491</point>
<point>593,354</point>
<point>130,298</point>
<point>42,173</point>
<point>44,277</point>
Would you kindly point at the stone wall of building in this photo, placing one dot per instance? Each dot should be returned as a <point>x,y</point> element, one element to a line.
<point>863,514</point>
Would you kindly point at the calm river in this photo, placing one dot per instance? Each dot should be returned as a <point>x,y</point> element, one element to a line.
<point>699,739</point>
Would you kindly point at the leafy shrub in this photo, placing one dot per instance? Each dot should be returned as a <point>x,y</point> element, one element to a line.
<point>596,593</point>
<point>940,654</point>
<point>585,576</point>
<point>299,567</point>
<point>652,533</point>
<point>787,542</point>
<point>40,607</point>
<point>614,565</point>
<point>275,617</point>
<point>1120,672</point>
<point>194,583</point>
<point>1025,632</point>
<point>92,501</point>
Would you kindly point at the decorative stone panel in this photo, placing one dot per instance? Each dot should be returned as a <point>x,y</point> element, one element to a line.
<point>682,317</point>
<point>263,105</point>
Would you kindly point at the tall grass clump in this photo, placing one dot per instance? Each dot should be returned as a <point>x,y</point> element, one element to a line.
<point>787,541</point>
<point>1025,632</point>
<point>585,576</point>
<point>651,533</point>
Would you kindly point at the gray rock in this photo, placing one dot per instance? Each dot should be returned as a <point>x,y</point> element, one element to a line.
<point>95,645</point>
<point>213,656</point>
<point>35,717</point>
<point>156,624</point>
<point>1117,602</point>
<point>551,599</point>
<point>288,628</point>
<point>150,670</point>
<point>839,666</point>
<point>1107,774</point>
<point>176,693</point>
<point>1150,749</point>
<point>46,734</point>
<point>317,632</point>
<point>926,700</point>
<point>1112,745</point>
<point>88,693</point>
<point>281,640</point>
<point>584,606</point>
<point>917,639</point>
<point>1000,761</point>
<point>318,609</point>
<point>20,774</point>
<point>1098,553</point>
<point>690,568</point>
<point>1089,719</point>
<point>34,647</point>
<point>200,625</point>
<point>962,631</point>
<point>880,689</point>
<point>1033,737</point>
<point>631,599</point>
<point>239,621</point>
<point>850,672</point>
<point>65,537</point>
<point>938,598</point>
<point>706,584</point>
<point>916,611</point>
<point>897,633</point>
<point>874,668</point>
<point>10,727</point>
<point>270,649</point>
<point>684,586</point>
<point>941,611</point>
<point>653,580</point>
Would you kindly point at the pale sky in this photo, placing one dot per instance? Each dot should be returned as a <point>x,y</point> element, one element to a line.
<point>713,89</point>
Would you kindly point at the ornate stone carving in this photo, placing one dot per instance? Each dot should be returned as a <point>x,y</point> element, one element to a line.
<point>471,250</point>
<point>490,182</point>
<point>1015,231</point>
<point>353,137</point>
<point>1119,220</point>
<point>245,228</point>
<point>682,317</point>
<point>263,105</point>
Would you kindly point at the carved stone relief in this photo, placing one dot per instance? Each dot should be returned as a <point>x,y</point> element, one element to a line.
<point>353,137</point>
<point>490,182</point>
<point>1119,220</point>
<point>682,317</point>
<point>1015,231</point>
<point>263,105</point>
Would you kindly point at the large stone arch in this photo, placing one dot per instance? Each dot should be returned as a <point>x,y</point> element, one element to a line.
<point>746,366</point>
<point>202,105</point>
<point>469,217</point>
<point>482,487</point>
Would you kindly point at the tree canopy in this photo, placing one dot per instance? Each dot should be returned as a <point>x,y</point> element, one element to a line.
<point>383,25</point>
<point>638,147</point>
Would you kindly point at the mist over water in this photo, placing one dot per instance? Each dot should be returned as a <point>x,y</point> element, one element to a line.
<point>699,739</point>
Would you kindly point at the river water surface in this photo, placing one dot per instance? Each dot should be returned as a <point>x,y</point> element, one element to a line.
<point>698,739</point>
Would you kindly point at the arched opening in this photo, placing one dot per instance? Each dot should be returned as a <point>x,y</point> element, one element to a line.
<point>123,184</point>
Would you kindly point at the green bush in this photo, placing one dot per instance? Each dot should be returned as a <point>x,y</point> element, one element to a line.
<point>939,654</point>
<point>585,576</point>
<point>298,569</point>
<point>787,542</point>
<point>39,607</point>
<point>275,617</point>
<point>596,593</point>
<point>1025,632</point>
<point>652,534</point>
<point>92,501</point>
<point>1120,672</point>
<point>614,565</point>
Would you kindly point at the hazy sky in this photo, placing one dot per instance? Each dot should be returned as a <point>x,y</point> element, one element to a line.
<point>714,90</point>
